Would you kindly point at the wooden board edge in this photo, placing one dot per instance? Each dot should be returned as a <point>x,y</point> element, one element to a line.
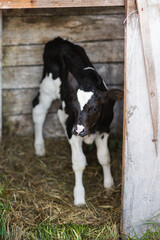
<point>149,67</point>
<point>13,4</point>
<point>130,6</point>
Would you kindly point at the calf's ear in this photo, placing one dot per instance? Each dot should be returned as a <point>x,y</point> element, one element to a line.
<point>74,85</point>
<point>113,95</point>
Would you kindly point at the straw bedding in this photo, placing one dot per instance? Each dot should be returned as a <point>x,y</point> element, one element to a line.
<point>41,189</point>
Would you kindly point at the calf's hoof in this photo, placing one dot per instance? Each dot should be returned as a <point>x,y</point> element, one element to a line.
<point>40,149</point>
<point>79,203</point>
<point>79,196</point>
<point>109,183</point>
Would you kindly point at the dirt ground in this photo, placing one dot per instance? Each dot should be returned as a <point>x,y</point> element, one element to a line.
<point>40,189</point>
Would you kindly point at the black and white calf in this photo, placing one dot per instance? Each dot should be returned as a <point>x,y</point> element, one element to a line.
<point>86,110</point>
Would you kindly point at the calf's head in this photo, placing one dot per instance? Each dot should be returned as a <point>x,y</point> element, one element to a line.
<point>87,104</point>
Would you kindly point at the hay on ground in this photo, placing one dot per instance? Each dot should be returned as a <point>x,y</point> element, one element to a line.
<point>40,189</point>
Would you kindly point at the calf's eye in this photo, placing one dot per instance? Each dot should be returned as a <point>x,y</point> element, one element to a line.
<point>94,108</point>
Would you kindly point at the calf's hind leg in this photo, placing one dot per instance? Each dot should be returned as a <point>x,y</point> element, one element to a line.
<point>104,158</point>
<point>49,90</point>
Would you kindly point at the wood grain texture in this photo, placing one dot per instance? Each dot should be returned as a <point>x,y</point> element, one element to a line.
<point>63,11</point>
<point>141,179</point>
<point>41,29</point>
<point>149,66</point>
<point>56,4</point>
<point>23,124</point>
<point>130,6</point>
<point>29,77</point>
<point>0,74</point>
<point>98,52</point>
<point>20,101</point>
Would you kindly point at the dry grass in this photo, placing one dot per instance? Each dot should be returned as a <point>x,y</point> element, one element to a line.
<point>40,189</point>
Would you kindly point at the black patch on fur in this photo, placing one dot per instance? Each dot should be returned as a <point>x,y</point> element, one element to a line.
<point>102,137</point>
<point>36,100</point>
<point>60,107</point>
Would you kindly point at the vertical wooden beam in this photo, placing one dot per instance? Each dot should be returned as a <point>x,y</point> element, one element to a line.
<point>0,74</point>
<point>130,12</point>
<point>141,166</point>
<point>149,66</point>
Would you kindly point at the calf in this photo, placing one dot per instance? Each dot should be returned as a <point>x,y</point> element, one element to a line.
<point>86,110</point>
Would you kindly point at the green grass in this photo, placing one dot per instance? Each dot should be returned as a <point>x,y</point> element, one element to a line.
<point>77,232</point>
<point>148,235</point>
<point>2,220</point>
<point>71,231</point>
<point>4,206</point>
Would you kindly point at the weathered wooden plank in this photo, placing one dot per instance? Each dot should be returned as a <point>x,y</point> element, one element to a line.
<point>23,124</point>
<point>141,175</point>
<point>56,4</point>
<point>21,77</point>
<point>149,66</point>
<point>19,101</point>
<point>22,55</point>
<point>0,74</point>
<point>112,73</point>
<point>105,51</point>
<point>130,8</point>
<point>63,11</point>
<point>41,29</point>
<point>29,77</point>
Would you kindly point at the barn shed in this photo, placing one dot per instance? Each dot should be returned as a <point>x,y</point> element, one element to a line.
<point>98,26</point>
<point>24,33</point>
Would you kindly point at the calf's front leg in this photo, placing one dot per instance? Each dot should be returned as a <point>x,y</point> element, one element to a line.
<point>104,158</point>
<point>78,165</point>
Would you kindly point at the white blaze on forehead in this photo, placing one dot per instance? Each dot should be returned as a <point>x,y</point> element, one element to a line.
<point>83,97</point>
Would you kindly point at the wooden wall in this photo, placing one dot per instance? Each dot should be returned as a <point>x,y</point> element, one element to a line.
<point>141,146</point>
<point>98,30</point>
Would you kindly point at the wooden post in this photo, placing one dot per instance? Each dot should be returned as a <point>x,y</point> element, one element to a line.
<point>149,66</point>
<point>0,74</point>
<point>141,166</point>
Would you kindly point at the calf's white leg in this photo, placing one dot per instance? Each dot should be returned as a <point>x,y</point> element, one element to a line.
<point>104,158</point>
<point>78,165</point>
<point>49,91</point>
<point>39,115</point>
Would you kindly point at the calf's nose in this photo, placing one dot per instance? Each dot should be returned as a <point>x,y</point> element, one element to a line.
<point>78,130</point>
